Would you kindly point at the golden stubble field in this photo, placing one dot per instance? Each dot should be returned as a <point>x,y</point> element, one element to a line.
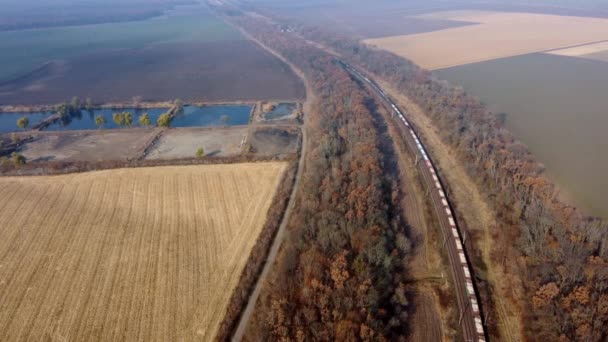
<point>148,254</point>
<point>496,35</point>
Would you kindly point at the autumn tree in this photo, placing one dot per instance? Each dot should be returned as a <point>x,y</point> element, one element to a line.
<point>144,120</point>
<point>128,119</point>
<point>23,122</point>
<point>100,121</point>
<point>200,153</point>
<point>119,119</point>
<point>164,120</point>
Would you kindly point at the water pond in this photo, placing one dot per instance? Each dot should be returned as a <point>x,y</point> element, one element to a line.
<point>192,116</point>
<point>86,119</point>
<point>217,115</point>
<point>281,110</point>
<point>8,121</point>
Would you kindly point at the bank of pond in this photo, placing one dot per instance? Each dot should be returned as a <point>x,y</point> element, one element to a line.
<point>190,116</point>
<point>280,111</point>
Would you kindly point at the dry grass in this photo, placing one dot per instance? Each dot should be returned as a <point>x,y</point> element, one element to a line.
<point>497,35</point>
<point>93,145</point>
<point>149,254</point>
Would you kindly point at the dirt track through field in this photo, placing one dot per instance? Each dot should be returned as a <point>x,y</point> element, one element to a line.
<point>241,327</point>
<point>132,254</point>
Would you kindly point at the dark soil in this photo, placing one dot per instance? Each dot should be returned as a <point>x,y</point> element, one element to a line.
<point>274,141</point>
<point>215,71</point>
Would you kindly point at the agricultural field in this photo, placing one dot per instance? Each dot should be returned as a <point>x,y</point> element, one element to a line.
<point>18,14</point>
<point>556,105</point>
<point>496,35</point>
<point>129,254</point>
<point>545,71</point>
<point>364,19</point>
<point>193,56</point>
<point>27,50</point>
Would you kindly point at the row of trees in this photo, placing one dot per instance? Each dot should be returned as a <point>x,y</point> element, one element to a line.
<point>69,110</point>
<point>341,272</point>
<point>121,119</point>
<point>565,255</point>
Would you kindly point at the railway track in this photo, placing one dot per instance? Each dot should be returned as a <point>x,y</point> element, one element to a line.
<point>470,315</point>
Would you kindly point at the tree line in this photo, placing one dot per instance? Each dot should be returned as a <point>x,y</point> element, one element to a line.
<point>66,111</point>
<point>560,255</point>
<point>341,272</point>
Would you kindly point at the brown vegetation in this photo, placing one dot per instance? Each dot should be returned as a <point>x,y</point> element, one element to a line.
<point>340,274</point>
<point>64,167</point>
<point>554,243</point>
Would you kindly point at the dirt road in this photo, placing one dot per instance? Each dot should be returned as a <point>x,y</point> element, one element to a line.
<point>276,244</point>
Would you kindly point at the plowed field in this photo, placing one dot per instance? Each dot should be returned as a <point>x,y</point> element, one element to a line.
<point>148,254</point>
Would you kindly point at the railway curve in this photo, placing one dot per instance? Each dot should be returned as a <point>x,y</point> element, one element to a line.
<point>470,315</point>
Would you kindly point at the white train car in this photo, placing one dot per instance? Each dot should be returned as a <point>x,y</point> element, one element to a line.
<point>463,260</point>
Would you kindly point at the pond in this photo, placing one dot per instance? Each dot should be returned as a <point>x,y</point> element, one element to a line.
<point>217,115</point>
<point>192,116</point>
<point>280,110</point>
<point>86,119</point>
<point>8,121</point>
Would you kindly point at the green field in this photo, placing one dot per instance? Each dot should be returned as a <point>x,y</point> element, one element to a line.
<point>26,50</point>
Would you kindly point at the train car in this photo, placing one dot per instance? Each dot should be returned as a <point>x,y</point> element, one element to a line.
<point>470,288</point>
<point>478,325</point>
<point>458,245</point>
<point>474,306</point>
<point>463,260</point>
<point>452,222</point>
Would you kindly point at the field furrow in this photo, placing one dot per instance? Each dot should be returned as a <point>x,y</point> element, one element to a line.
<point>137,254</point>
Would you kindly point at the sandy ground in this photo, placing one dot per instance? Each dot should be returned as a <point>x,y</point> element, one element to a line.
<point>497,35</point>
<point>183,142</point>
<point>148,254</point>
<point>88,145</point>
<point>175,143</point>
